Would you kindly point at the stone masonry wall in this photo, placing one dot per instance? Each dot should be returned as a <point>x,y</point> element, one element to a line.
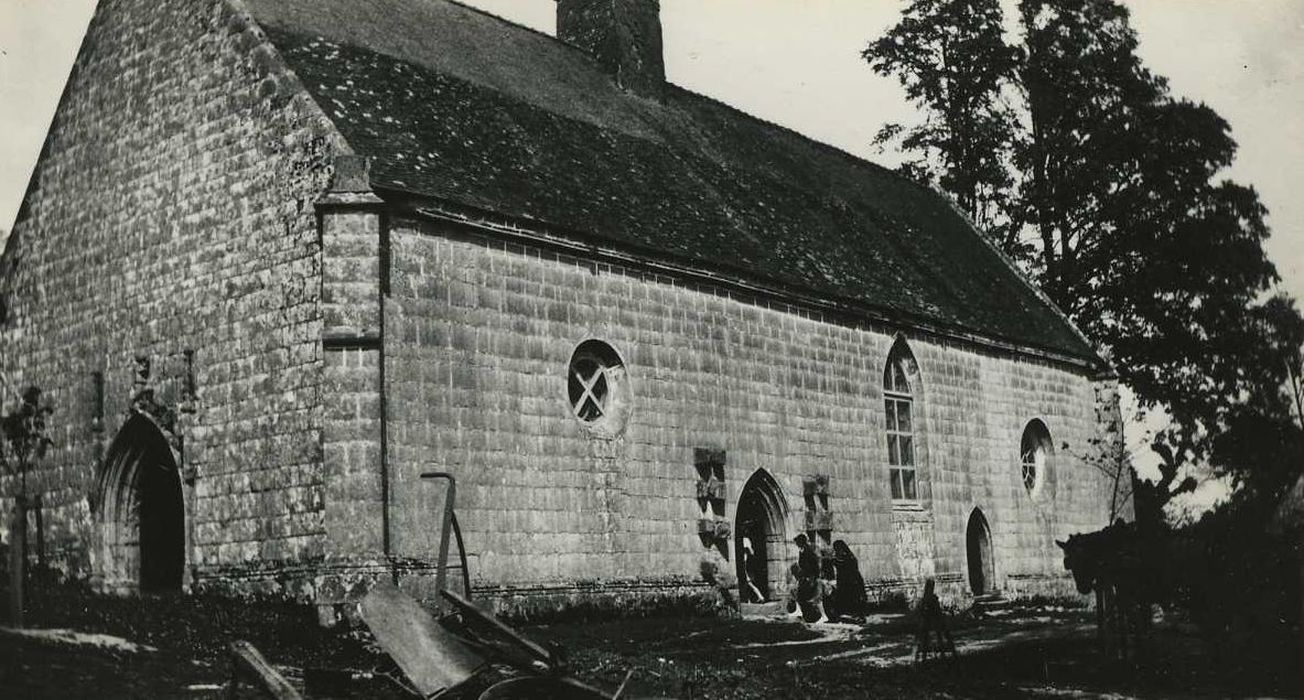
<point>478,343</point>
<point>170,242</point>
<point>171,212</point>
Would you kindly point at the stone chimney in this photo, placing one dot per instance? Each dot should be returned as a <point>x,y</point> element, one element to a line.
<point>623,35</point>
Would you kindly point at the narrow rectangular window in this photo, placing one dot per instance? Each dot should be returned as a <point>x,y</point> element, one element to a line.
<point>897,405</point>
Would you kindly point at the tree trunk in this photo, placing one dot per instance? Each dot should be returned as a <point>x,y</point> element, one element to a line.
<point>38,507</point>
<point>17,562</point>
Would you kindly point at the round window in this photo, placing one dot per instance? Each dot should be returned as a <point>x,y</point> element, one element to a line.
<point>595,385</point>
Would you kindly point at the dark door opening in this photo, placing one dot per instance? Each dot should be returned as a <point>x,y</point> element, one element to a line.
<point>753,535</point>
<point>759,523</point>
<point>161,517</point>
<point>978,540</point>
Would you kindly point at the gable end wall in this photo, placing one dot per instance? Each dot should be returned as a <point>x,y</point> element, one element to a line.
<point>172,211</point>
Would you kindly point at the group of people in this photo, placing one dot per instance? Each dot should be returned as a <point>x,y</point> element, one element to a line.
<point>832,588</point>
<point>827,589</point>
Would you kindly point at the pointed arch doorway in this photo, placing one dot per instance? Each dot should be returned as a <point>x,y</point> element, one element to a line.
<point>761,520</point>
<point>978,544</point>
<point>142,512</point>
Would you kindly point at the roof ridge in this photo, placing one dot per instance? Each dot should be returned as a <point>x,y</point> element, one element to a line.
<point>500,18</point>
<point>512,23</point>
<point>693,93</point>
<point>841,152</point>
<point>811,140</point>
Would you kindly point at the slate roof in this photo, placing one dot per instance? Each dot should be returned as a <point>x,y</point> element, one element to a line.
<point>471,109</point>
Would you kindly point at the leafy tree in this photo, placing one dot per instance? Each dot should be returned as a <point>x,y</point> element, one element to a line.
<point>1115,184</point>
<point>1151,256</point>
<point>25,436</point>
<point>952,60</point>
<point>1083,85</point>
<point>1261,443</point>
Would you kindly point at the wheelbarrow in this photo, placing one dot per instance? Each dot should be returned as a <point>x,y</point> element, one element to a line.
<point>441,655</point>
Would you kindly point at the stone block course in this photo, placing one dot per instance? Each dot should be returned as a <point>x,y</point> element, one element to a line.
<point>171,212</point>
<point>780,390</point>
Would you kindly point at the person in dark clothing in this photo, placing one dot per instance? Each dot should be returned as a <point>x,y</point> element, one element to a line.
<point>848,600</point>
<point>809,586</point>
<point>932,622</point>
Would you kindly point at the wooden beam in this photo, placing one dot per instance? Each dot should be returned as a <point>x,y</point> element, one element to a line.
<point>247,662</point>
<point>466,607</point>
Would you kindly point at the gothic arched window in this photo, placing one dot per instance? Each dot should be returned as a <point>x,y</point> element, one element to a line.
<point>1033,449</point>
<point>899,405</point>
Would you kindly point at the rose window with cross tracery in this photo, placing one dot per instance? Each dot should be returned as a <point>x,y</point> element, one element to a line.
<point>595,387</point>
<point>588,388</point>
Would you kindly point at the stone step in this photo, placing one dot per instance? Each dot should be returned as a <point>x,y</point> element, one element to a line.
<point>770,609</point>
<point>990,602</point>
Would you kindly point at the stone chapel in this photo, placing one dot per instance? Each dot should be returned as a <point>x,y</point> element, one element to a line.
<point>279,258</point>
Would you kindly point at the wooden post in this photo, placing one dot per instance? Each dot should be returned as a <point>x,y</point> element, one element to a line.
<point>445,530</point>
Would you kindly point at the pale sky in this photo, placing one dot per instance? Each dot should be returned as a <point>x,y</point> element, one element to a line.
<point>797,63</point>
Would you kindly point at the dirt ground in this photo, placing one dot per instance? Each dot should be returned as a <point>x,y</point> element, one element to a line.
<point>174,647</point>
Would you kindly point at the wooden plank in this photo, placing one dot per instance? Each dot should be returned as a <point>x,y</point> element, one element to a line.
<point>466,607</point>
<point>433,658</point>
<point>250,664</point>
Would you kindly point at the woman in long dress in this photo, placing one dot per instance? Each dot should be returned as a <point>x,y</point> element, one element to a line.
<point>848,599</point>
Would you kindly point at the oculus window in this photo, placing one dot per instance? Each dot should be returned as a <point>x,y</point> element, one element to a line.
<point>597,389</point>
